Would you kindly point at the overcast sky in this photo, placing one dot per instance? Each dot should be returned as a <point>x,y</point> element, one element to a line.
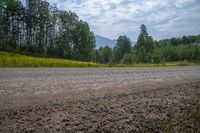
<point>111,18</point>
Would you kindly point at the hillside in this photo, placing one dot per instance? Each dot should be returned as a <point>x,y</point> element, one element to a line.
<point>9,59</point>
<point>103,41</point>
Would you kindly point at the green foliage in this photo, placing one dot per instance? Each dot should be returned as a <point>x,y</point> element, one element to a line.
<point>144,45</point>
<point>143,30</point>
<point>148,65</point>
<point>104,54</point>
<point>157,55</point>
<point>182,52</point>
<point>9,59</point>
<point>127,59</point>
<point>147,51</point>
<point>41,29</point>
<point>122,47</point>
<point>84,43</point>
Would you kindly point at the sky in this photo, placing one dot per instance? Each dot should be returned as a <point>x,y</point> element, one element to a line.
<point>112,18</point>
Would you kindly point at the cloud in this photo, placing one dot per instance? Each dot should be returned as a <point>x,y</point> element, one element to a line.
<point>181,21</point>
<point>111,18</point>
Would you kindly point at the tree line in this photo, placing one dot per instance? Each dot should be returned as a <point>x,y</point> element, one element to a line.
<point>41,29</point>
<point>146,50</point>
<point>38,28</point>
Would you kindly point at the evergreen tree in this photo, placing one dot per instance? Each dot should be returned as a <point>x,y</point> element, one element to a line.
<point>144,45</point>
<point>122,47</point>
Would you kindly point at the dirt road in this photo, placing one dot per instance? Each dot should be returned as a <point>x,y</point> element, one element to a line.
<point>150,99</point>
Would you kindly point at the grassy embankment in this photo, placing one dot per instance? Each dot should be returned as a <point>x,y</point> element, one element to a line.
<point>177,63</point>
<point>10,59</point>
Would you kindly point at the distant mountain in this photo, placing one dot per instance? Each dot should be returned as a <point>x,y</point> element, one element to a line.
<point>133,43</point>
<point>103,41</point>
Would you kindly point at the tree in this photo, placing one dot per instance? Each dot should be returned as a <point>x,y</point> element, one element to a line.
<point>9,28</point>
<point>39,28</point>
<point>104,54</point>
<point>143,30</point>
<point>122,47</point>
<point>107,54</point>
<point>144,45</point>
<point>83,42</point>
<point>127,59</point>
<point>67,20</point>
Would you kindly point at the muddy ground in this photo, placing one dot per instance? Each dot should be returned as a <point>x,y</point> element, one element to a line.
<point>155,99</point>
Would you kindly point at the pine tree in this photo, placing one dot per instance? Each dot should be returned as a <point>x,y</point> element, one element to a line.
<point>144,44</point>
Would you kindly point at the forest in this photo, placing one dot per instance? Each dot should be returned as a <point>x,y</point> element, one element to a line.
<point>147,50</point>
<point>40,29</point>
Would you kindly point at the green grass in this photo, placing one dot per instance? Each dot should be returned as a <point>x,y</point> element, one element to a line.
<point>10,59</point>
<point>177,63</point>
<point>146,65</point>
